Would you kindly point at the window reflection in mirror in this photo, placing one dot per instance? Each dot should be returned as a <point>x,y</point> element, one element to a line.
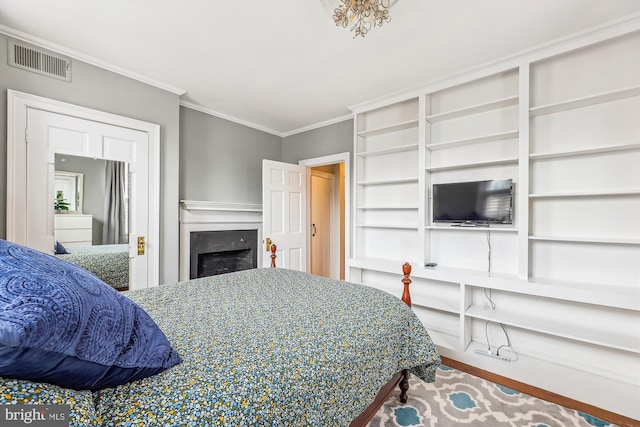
<point>69,191</point>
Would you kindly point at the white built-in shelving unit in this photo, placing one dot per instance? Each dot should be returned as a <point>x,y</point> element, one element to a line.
<point>563,122</point>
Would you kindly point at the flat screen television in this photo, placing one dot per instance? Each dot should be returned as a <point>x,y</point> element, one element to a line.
<point>474,202</point>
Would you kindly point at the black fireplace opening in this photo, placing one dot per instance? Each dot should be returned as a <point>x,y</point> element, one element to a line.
<point>225,251</point>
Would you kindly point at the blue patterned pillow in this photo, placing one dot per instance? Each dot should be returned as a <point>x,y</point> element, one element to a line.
<point>62,325</point>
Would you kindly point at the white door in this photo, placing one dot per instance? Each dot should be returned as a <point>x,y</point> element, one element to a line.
<point>284,213</point>
<point>50,133</point>
<point>321,208</point>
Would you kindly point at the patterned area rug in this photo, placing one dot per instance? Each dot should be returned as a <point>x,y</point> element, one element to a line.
<point>457,398</point>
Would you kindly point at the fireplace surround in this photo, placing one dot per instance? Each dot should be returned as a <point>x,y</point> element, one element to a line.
<point>223,251</point>
<point>200,216</point>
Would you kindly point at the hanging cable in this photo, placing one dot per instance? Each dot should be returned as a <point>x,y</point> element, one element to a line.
<point>492,304</point>
<point>488,234</point>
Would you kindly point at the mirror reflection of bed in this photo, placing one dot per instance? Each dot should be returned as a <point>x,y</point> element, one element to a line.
<point>91,223</point>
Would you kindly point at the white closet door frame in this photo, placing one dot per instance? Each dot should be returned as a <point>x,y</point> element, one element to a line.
<point>17,105</point>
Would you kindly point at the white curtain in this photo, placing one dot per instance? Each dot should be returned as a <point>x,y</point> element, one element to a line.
<point>114,229</point>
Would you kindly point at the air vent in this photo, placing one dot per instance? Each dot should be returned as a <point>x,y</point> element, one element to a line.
<point>39,61</point>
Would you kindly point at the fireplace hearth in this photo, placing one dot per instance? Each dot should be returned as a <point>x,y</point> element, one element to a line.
<point>224,251</point>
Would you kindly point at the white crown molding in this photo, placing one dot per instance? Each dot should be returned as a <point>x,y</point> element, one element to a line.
<point>608,30</point>
<point>88,59</point>
<point>211,112</point>
<point>198,205</point>
<point>214,113</point>
<point>318,125</point>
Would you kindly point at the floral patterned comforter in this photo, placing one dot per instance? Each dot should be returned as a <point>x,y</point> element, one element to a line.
<point>109,262</point>
<point>267,347</point>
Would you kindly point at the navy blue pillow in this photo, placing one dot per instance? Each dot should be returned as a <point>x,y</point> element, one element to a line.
<point>58,249</point>
<point>62,325</point>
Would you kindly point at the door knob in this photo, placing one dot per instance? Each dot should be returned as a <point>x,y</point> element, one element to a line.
<point>268,244</point>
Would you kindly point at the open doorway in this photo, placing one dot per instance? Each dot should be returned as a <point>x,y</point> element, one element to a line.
<point>327,222</point>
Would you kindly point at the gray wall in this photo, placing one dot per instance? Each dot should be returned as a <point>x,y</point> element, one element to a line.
<point>221,161</point>
<point>106,91</point>
<point>324,141</point>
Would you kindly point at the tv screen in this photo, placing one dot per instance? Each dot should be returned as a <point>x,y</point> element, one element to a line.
<point>476,202</point>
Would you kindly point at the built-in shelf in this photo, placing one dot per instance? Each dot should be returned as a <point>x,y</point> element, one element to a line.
<point>510,160</point>
<point>390,128</point>
<point>383,207</point>
<point>586,151</point>
<point>615,296</point>
<point>556,328</point>
<point>584,101</point>
<point>389,181</point>
<point>434,303</point>
<point>474,140</point>
<point>618,296</point>
<point>472,228</point>
<point>612,193</point>
<point>393,226</point>
<point>595,240</point>
<point>399,149</point>
<point>474,109</point>
<point>513,127</point>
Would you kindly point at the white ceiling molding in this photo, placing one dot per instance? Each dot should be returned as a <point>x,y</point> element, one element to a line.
<point>318,125</point>
<point>210,112</point>
<point>88,59</point>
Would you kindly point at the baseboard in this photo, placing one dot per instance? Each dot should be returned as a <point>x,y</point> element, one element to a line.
<point>549,396</point>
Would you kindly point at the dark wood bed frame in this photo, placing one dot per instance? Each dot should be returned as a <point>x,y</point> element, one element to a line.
<point>400,379</point>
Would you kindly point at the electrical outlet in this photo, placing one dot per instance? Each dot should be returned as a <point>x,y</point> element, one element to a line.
<point>493,355</point>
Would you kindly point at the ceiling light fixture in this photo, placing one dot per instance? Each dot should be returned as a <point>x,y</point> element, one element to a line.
<point>363,14</point>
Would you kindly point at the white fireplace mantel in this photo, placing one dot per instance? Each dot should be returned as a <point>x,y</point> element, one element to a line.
<point>215,216</point>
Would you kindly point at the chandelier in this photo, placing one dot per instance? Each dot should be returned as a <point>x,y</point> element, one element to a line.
<point>362,14</point>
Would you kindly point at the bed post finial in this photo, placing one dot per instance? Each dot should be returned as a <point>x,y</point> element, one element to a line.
<point>273,255</point>
<point>406,270</point>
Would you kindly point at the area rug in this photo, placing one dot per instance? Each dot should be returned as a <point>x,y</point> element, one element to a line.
<point>460,399</point>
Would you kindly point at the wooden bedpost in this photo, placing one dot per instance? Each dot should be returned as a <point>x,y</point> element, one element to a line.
<point>273,255</point>
<point>406,297</point>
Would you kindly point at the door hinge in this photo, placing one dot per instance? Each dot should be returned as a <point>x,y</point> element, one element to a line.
<point>26,136</point>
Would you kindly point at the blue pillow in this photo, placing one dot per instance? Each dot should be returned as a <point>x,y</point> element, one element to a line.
<point>60,324</point>
<point>58,249</point>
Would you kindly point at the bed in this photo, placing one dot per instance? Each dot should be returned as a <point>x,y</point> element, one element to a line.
<point>269,347</point>
<point>109,262</point>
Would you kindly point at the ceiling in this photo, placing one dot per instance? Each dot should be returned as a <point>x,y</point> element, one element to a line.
<point>282,66</point>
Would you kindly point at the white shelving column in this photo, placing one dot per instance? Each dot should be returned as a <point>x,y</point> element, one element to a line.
<point>522,191</point>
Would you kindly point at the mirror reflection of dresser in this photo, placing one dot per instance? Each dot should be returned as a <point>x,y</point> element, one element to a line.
<point>73,229</point>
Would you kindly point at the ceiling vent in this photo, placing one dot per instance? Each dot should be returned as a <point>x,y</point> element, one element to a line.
<point>39,61</point>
